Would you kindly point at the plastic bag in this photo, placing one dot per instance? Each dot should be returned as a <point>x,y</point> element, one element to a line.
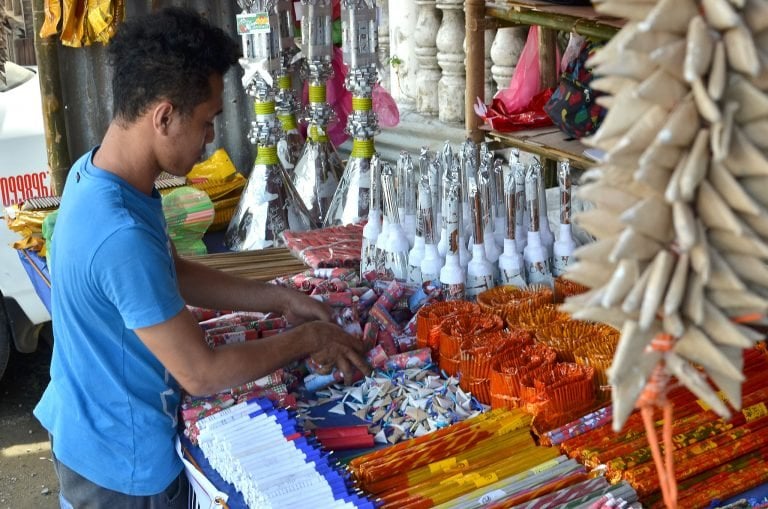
<point>527,77</point>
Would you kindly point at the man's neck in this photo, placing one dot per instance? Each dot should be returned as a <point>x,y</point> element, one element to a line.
<point>123,153</point>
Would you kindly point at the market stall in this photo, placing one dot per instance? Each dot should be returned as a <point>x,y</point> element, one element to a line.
<point>594,343</point>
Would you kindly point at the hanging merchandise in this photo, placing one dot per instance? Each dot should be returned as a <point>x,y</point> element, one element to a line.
<point>535,255</point>
<point>360,44</point>
<point>563,249</point>
<point>511,266</point>
<point>319,169</point>
<point>269,204</point>
<point>684,171</point>
<point>82,23</point>
<point>286,103</point>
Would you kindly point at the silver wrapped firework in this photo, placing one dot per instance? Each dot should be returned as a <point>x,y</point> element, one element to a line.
<point>319,170</point>
<point>269,203</point>
<point>396,245</point>
<point>535,255</point>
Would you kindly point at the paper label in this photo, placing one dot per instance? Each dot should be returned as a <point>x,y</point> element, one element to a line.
<point>454,291</point>
<point>755,412</point>
<point>559,265</point>
<point>414,274</point>
<point>442,466</point>
<point>253,23</point>
<point>492,496</point>
<point>477,284</point>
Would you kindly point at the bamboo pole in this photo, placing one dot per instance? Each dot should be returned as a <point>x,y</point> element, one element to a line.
<point>475,64</point>
<point>53,105</point>
<point>586,27</point>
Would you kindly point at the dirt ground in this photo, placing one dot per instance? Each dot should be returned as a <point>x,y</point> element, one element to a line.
<point>27,479</point>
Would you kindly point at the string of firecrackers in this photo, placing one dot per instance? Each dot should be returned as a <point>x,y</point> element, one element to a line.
<point>82,23</point>
<point>680,200</point>
<point>399,404</point>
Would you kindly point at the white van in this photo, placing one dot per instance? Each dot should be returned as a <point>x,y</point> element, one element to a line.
<point>23,175</point>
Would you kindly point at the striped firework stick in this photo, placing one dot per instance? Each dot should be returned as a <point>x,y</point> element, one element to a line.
<point>590,445</point>
<point>344,274</point>
<point>690,430</point>
<point>403,484</point>
<point>710,484</point>
<point>435,446</point>
<point>703,456</point>
<point>580,426</point>
<point>561,496</point>
<point>545,489</point>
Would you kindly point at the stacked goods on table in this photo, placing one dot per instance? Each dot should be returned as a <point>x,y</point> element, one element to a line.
<point>335,246</point>
<point>188,214</point>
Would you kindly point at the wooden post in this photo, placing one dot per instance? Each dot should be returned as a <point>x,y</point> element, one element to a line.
<point>53,105</point>
<point>475,63</point>
<point>548,57</point>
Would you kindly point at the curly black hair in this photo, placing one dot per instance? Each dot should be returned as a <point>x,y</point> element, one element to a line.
<point>170,54</point>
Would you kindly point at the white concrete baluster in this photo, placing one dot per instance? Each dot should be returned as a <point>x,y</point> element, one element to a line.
<point>384,56</point>
<point>402,32</point>
<point>490,85</point>
<point>428,74</point>
<point>450,56</point>
<point>505,52</point>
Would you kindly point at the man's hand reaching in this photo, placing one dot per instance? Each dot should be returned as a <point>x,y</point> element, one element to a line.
<point>335,348</point>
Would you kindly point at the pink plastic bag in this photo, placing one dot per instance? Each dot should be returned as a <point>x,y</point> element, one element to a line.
<point>527,77</point>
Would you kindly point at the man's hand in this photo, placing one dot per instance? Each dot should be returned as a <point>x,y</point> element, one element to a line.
<point>336,348</point>
<point>299,308</point>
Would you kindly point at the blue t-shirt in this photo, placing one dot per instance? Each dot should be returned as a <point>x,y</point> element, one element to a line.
<point>111,406</point>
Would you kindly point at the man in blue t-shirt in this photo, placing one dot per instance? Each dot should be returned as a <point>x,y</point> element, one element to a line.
<point>125,341</point>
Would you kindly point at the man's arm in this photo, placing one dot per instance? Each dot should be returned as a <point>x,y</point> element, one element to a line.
<point>209,288</point>
<point>179,345</point>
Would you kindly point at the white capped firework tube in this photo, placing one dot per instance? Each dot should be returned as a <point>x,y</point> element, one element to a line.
<point>359,44</point>
<point>479,270</point>
<point>416,254</point>
<point>406,195</point>
<point>521,225</point>
<point>286,103</point>
<point>396,247</point>
<point>511,267</point>
<point>431,262</point>
<point>564,247</point>
<point>535,254</point>
<point>547,237</point>
<point>485,186</point>
<point>445,185</point>
<point>319,169</point>
<point>269,204</point>
<point>435,175</point>
<point>452,273</point>
<point>497,202</point>
<point>468,162</point>
<point>372,228</point>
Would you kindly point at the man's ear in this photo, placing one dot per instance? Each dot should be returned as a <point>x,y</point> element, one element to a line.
<point>162,115</point>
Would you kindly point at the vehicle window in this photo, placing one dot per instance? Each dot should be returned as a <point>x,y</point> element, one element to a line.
<point>15,75</point>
